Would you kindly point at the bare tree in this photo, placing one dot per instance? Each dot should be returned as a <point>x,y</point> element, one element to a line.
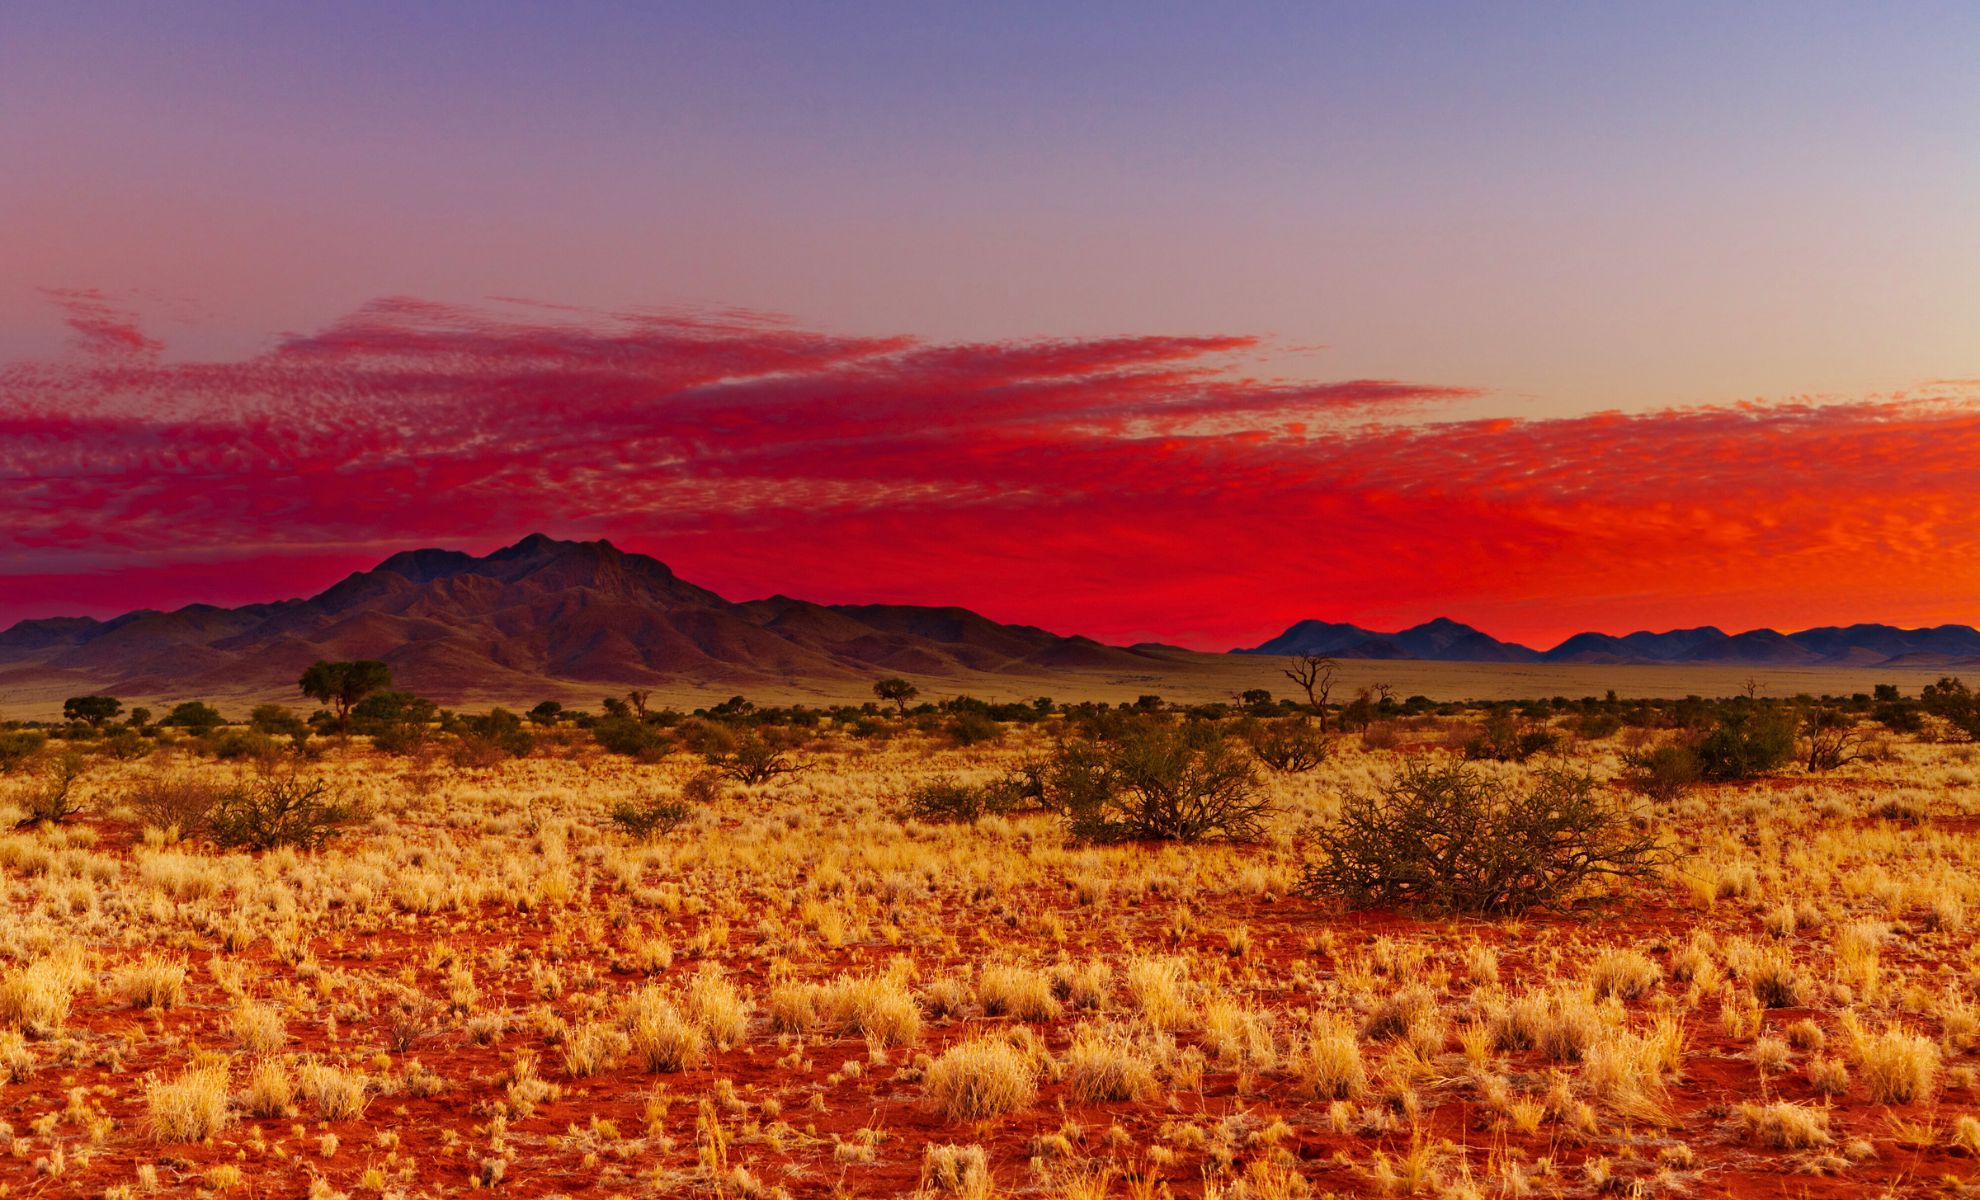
<point>638,699</point>
<point>1752,687</point>
<point>1832,739</point>
<point>1314,673</point>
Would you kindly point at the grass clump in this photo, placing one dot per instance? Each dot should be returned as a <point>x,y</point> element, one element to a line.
<point>190,1107</point>
<point>980,1078</point>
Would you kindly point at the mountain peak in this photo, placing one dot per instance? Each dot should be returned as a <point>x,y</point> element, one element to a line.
<point>542,544</point>
<point>539,615</point>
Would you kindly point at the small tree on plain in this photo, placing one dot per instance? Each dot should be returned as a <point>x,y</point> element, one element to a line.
<point>1314,673</point>
<point>195,715</point>
<point>342,684</point>
<point>896,692</point>
<point>92,711</point>
<point>754,760</point>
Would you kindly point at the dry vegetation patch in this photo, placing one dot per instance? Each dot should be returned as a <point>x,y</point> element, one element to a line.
<point>901,970</point>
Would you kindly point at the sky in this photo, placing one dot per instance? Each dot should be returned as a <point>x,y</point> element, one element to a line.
<point>1144,321</point>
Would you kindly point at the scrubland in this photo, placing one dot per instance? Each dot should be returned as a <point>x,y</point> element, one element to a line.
<point>486,984</point>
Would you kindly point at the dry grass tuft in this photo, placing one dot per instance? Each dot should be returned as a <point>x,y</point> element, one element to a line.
<point>985,1076</point>
<point>190,1107</point>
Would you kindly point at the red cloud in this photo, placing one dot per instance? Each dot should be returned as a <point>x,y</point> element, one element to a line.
<point>1123,487</point>
<point>100,327</point>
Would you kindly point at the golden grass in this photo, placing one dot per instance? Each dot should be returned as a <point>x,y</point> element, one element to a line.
<point>189,1107</point>
<point>985,1076</point>
<point>492,975</point>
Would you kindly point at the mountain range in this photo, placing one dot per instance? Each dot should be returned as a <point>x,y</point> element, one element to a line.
<point>1445,640</point>
<point>540,611</point>
<point>560,618</point>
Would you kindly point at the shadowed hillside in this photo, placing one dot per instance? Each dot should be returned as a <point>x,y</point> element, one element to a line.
<point>540,611</point>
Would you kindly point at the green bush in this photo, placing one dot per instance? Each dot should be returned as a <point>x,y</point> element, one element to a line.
<point>174,802</point>
<point>946,800</point>
<point>195,716</point>
<point>650,818</point>
<point>397,722</point>
<point>235,745</point>
<point>1594,726</point>
<point>1503,739</point>
<point>1747,742</point>
<point>1900,716</point>
<point>19,747</point>
<point>1662,772</point>
<point>1954,703</point>
<point>276,721</point>
<point>1158,782</point>
<point>501,729</point>
<point>973,728</point>
<point>126,745</point>
<point>632,737</point>
<point>1447,837</point>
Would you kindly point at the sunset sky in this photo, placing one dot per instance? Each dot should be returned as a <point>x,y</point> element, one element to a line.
<point>1144,321</point>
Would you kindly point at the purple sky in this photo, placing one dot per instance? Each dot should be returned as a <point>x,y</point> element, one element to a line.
<point>1755,229</point>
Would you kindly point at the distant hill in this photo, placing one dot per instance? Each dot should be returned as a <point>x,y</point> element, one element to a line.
<point>539,612</point>
<point>1444,640</point>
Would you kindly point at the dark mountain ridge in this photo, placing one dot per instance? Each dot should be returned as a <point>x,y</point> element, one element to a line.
<point>540,611</point>
<point>1444,640</point>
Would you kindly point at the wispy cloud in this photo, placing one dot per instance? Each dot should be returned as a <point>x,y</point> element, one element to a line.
<point>1125,487</point>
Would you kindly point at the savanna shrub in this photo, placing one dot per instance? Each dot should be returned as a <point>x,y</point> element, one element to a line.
<point>1503,739</point>
<point>20,747</point>
<point>633,737</point>
<point>1290,746</point>
<point>174,802</point>
<point>1450,837</point>
<point>1662,772</point>
<point>265,812</point>
<point>1156,781</point>
<point>650,818</point>
<point>1747,742</point>
<point>53,798</point>
<point>973,728</point>
<point>755,759</point>
<point>949,800</point>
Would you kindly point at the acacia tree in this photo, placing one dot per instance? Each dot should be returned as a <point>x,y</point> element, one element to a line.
<point>342,684</point>
<point>1314,673</point>
<point>91,710</point>
<point>896,692</point>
